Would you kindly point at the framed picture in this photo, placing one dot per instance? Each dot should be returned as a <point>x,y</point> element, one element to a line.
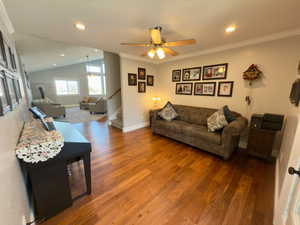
<point>3,61</point>
<point>150,80</point>
<point>141,73</point>
<point>12,58</point>
<point>132,79</point>
<point>141,87</point>
<point>18,90</point>
<point>184,88</point>
<point>176,75</point>
<point>205,88</point>
<point>4,95</point>
<point>11,91</point>
<point>225,89</point>
<point>191,74</point>
<point>215,72</point>
<point>8,58</point>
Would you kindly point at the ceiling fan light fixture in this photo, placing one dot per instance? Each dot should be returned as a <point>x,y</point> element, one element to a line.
<point>151,53</point>
<point>160,53</point>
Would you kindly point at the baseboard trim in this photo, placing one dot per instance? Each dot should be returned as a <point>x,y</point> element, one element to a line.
<point>135,127</point>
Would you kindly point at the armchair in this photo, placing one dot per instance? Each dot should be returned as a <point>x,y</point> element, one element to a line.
<point>99,107</point>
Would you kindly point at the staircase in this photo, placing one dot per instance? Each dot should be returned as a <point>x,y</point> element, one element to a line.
<point>118,122</point>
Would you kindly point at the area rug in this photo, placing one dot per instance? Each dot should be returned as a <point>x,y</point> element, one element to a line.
<point>76,115</point>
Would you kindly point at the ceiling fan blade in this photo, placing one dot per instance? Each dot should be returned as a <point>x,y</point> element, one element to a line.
<point>155,36</point>
<point>180,43</point>
<point>170,51</point>
<point>137,44</point>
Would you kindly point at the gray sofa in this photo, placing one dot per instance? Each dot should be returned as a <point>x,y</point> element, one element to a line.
<point>51,109</point>
<point>190,127</point>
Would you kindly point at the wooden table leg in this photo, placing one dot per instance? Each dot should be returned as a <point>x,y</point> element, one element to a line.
<point>87,172</point>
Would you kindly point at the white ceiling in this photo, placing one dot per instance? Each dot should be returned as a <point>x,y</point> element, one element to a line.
<point>110,22</point>
<point>40,53</point>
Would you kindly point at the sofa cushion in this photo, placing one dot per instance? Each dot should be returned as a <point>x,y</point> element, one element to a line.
<point>216,121</point>
<point>168,112</point>
<point>192,114</point>
<point>201,132</point>
<point>189,130</point>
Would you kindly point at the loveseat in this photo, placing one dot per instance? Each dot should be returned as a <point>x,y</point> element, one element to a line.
<point>190,127</point>
<point>49,108</point>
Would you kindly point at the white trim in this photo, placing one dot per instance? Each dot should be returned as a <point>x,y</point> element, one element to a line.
<point>138,58</point>
<point>71,105</point>
<point>136,126</point>
<point>5,18</point>
<point>277,219</point>
<point>272,37</point>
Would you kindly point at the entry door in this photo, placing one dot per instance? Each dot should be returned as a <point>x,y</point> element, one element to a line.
<point>294,212</point>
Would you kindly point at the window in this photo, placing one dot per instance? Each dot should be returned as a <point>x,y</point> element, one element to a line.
<point>66,87</point>
<point>96,78</point>
<point>96,84</point>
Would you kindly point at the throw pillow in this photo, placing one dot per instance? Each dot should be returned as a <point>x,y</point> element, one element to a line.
<point>228,114</point>
<point>168,112</point>
<point>216,121</point>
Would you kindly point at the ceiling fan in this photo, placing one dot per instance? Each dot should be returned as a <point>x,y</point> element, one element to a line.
<point>159,46</point>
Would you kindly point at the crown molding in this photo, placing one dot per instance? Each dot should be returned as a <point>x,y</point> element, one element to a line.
<point>272,37</point>
<point>138,58</point>
<point>5,18</point>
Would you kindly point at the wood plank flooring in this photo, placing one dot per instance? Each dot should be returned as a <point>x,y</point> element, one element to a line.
<point>144,179</point>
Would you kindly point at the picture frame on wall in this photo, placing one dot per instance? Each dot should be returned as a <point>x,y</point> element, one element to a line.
<point>18,90</point>
<point>205,88</point>
<point>150,80</point>
<point>8,58</point>
<point>3,60</point>
<point>184,88</point>
<point>191,74</point>
<point>4,95</point>
<point>11,91</point>
<point>176,75</point>
<point>225,89</point>
<point>141,73</point>
<point>215,72</point>
<point>141,87</point>
<point>12,59</point>
<point>132,79</point>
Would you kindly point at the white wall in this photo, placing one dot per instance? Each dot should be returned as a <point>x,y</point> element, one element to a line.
<point>14,207</point>
<point>71,72</point>
<point>113,82</point>
<point>277,59</point>
<point>136,105</point>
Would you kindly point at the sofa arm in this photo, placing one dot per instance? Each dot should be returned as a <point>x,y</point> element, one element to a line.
<point>236,127</point>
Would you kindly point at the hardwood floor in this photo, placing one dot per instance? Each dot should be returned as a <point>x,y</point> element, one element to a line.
<point>142,179</point>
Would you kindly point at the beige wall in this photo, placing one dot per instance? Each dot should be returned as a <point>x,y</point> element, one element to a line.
<point>136,105</point>
<point>277,59</point>
<point>14,208</point>
<point>113,82</point>
<point>47,77</point>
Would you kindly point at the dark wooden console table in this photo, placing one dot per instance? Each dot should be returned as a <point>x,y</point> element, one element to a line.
<point>49,182</point>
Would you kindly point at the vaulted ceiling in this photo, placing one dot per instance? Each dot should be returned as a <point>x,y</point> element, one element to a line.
<point>110,22</point>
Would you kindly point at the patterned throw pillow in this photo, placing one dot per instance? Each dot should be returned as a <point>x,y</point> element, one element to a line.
<point>216,121</point>
<point>168,112</point>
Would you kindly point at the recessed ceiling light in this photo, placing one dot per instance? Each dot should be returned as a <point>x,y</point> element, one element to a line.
<point>62,55</point>
<point>80,26</point>
<point>230,29</point>
<point>54,64</point>
<point>96,50</point>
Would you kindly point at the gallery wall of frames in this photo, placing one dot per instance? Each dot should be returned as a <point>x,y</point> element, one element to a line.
<point>140,79</point>
<point>10,89</point>
<point>199,81</point>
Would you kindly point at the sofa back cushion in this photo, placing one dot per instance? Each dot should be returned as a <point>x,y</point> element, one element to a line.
<point>196,115</point>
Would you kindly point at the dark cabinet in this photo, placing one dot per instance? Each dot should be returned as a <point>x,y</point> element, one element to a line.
<point>260,143</point>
